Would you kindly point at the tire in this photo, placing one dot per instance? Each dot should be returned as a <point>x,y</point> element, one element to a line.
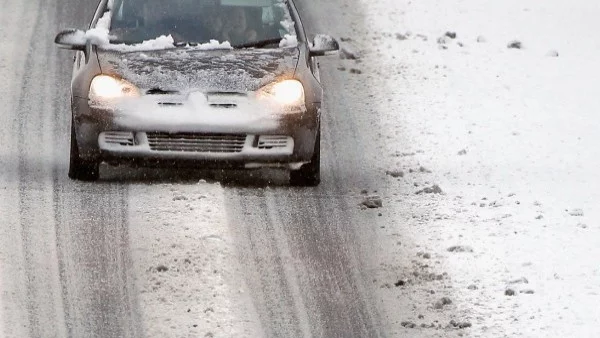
<point>79,169</point>
<point>309,174</point>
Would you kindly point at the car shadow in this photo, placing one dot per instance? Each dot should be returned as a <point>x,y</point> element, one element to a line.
<point>226,177</point>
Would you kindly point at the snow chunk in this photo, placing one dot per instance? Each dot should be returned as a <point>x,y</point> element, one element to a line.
<point>161,42</point>
<point>288,25</point>
<point>322,41</point>
<point>214,45</point>
<point>349,53</point>
<point>576,212</point>
<point>434,189</point>
<point>372,202</point>
<point>515,44</point>
<point>289,41</point>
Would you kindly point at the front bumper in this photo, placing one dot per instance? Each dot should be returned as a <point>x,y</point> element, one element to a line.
<point>247,149</point>
<point>248,135</point>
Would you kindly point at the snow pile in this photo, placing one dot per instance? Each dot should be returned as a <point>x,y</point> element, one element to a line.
<point>323,42</point>
<point>213,45</point>
<point>509,134</point>
<point>289,41</point>
<point>164,42</point>
<point>99,34</point>
<point>189,279</point>
<point>78,37</point>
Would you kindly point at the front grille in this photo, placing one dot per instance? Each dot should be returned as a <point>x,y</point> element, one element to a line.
<point>195,142</point>
<point>123,138</point>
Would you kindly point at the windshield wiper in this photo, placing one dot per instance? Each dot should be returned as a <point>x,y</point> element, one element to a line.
<point>259,44</point>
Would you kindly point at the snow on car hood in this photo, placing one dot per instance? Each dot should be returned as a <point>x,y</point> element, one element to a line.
<point>188,69</point>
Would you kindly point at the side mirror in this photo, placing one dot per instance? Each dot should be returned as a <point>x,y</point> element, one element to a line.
<point>73,39</point>
<point>323,44</point>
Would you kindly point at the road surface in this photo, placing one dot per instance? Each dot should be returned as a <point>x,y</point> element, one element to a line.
<point>66,262</point>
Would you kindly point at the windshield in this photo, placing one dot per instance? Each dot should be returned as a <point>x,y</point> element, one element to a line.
<point>241,22</point>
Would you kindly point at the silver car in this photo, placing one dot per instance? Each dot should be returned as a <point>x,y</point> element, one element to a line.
<point>202,83</point>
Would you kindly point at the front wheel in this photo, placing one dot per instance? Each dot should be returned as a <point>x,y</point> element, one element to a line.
<point>80,169</point>
<point>309,174</point>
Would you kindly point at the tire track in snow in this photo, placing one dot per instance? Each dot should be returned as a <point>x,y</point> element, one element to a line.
<point>302,261</point>
<point>325,246</point>
<point>30,272</point>
<point>66,261</point>
<point>17,19</point>
<point>267,268</point>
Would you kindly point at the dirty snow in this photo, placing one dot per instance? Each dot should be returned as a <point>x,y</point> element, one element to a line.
<point>509,136</point>
<point>188,276</point>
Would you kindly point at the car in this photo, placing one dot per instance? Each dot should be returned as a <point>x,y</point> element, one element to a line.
<point>201,83</point>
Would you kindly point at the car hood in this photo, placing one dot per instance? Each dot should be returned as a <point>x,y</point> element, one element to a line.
<point>185,69</point>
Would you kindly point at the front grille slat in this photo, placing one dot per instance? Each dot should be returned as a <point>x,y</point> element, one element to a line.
<point>215,141</point>
<point>273,141</point>
<point>196,142</point>
<point>119,138</point>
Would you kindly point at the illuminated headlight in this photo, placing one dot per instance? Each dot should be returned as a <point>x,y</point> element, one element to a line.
<point>287,92</point>
<point>106,88</point>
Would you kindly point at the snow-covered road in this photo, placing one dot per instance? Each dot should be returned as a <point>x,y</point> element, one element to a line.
<point>64,248</point>
<point>459,194</point>
<point>162,253</point>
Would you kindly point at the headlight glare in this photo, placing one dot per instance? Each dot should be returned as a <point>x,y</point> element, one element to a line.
<point>287,92</point>
<point>105,87</point>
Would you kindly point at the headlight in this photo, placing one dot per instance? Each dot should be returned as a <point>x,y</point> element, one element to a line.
<point>106,87</point>
<point>287,92</point>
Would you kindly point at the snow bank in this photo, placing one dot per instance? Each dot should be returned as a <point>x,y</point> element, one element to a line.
<point>510,136</point>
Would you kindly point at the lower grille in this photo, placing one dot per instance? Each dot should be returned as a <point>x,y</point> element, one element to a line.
<point>273,141</point>
<point>123,138</point>
<point>194,142</point>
